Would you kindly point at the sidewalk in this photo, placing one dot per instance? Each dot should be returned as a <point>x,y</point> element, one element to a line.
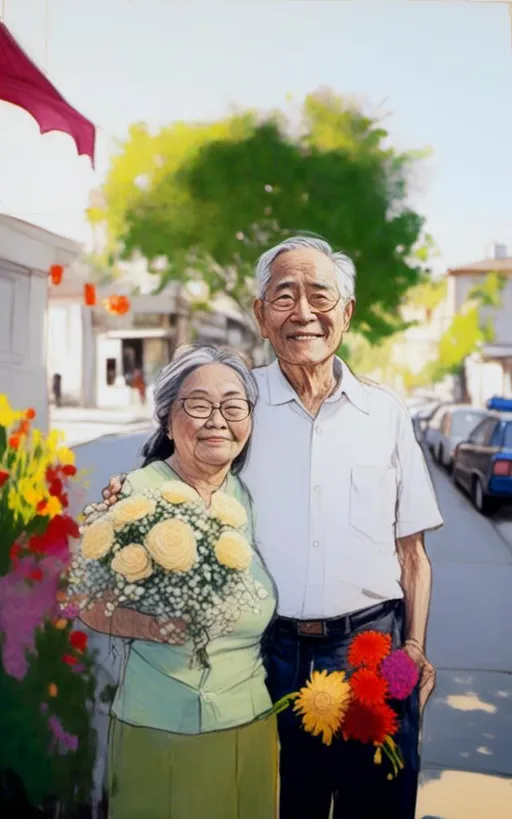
<point>81,425</point>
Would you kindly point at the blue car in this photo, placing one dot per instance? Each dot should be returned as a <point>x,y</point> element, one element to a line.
<point>483,464</point>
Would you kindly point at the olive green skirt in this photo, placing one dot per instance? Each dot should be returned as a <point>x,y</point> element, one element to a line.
<point>230,774</point>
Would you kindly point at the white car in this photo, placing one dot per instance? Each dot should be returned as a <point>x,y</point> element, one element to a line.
<point>449,426</point>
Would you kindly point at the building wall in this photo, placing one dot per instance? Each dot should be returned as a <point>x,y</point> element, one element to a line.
<point>26,254</point>
<point>501,317</point>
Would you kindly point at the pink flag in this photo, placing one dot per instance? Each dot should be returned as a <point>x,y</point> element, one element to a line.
<point>23,84</point>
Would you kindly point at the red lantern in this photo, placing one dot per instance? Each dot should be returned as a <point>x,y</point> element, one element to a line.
<point>117,305</point>
<point>56,271</point>
<point>89,295</point>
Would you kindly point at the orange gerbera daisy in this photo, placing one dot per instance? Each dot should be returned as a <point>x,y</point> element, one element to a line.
<point>323,703</point>
<point>369,725</point>
<point>368,687</point>
<point>369,649</point>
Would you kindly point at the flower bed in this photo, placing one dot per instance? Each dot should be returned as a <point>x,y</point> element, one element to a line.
<point>47,683</point>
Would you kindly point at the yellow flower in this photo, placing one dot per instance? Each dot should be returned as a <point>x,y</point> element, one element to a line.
<point>133,562</point>
<point>65,456</point>
<point>53,507</point>
<point>179,492</point>
<point>98,539</point>
<point>233,550</point>
<point>172,544</point>
<point>228,510</point>
<point>7,415</point>
<point>28,492</point>
<point>323,703</point>
<point>131,509</point>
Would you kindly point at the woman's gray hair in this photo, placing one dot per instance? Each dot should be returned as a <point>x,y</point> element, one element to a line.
<point>344,266</point>
<point>187,358</point>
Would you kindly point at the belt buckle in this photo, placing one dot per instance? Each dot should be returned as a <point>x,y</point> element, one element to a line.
<point>312,628</point>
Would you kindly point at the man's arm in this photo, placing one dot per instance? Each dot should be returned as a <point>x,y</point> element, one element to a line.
<point>416,583</point>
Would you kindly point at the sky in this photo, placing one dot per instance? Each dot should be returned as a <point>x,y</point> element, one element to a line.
<point>440,73</point>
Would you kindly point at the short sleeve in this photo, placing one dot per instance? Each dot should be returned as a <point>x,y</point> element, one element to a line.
<point>417,508</point>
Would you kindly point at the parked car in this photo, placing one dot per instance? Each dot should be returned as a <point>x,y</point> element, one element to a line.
<point>483,464</point>
<point>451,424</point>
<point>421,415</point>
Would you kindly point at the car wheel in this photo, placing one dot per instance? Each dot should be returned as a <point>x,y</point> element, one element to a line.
<point>481,501</point>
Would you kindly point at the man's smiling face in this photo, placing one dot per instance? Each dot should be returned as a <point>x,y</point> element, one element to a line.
<point>303,313</point>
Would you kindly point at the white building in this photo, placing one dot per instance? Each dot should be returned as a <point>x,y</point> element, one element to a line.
<point>96,352</point>
<point>489,370</point>
<point>26,255</point>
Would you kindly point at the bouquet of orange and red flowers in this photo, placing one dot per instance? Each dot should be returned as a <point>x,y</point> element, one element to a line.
<point>359,705</point>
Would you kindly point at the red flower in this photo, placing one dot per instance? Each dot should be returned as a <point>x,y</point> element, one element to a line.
<point>78,640</point>
<point>23,427</point>
<point>36,574</point>
<point>41,506</point>
<point>14,441</point>
<point>69,470</point>
<point>30,414</point>
<point>55,539</point>
<point>369,725</point>
<point>369,649</point>
<point>52,474</point>
<point>15,551</point>
<point>4,477</point>
<point>55,487</point>
<point>368,687</point>
<point>69,659</point>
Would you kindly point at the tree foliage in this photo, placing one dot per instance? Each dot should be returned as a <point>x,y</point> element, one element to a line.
<point>211,197</point>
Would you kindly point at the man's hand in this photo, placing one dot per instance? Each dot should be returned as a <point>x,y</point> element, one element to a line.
<point>427,681</point>
<point>95,510</point>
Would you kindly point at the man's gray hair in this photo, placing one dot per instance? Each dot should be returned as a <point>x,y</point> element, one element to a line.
<point>344,266</point>
<point>187,358</point>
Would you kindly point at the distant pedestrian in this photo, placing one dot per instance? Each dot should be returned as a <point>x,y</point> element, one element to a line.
<point>139,384</point>
<point>57,389</point>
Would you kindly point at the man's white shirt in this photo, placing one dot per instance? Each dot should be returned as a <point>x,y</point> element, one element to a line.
<point>332,493</point>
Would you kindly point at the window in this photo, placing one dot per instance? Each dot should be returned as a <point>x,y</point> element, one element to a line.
<point>111,371</point>
<point>438,418</point>
<point>463,423</point>
<point>483,432</point>
<point>507,436</point>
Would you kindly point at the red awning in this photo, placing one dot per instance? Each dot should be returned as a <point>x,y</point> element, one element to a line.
<point>23,84</point>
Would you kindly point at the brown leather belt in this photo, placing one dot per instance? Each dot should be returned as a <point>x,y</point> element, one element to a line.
<point>344,624</point>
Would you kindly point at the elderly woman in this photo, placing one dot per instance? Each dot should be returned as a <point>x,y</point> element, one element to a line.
<point>189,742</point>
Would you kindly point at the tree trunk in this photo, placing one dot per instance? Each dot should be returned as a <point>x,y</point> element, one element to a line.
<point>182,319</point>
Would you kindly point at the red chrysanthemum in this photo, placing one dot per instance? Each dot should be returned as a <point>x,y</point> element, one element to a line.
<point>368,687</point>
<point>69,659</point>
<point>4,477</point>
<point>369,649</point>
<point>78,640</point>
<point>369,725</point>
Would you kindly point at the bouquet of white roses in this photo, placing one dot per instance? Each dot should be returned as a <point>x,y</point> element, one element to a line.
<point>164,553</point>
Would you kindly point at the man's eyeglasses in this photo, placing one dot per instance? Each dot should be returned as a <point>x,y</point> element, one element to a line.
<point>232,409</point>
<point>318,302</point>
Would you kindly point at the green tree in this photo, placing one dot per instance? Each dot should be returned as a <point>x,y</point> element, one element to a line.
<point>471,327</point>
<point>214,196</point>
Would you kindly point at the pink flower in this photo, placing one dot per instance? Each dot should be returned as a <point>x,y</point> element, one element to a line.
<point>401,673</point>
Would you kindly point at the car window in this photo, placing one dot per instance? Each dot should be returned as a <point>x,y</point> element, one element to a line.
<point>507,438</point>
<point>438,417</point>
<point>463,423</point>
<point>483,431</point>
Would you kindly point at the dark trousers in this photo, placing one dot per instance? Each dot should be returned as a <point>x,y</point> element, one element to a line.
<point>313,774</point>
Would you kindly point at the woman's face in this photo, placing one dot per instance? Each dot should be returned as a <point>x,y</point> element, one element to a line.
<point>213,440</point>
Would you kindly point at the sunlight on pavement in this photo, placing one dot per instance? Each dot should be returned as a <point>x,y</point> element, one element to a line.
<point>463,795</point>
<point>470,702</point>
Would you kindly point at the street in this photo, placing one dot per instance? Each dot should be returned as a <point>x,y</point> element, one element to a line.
<point>467,733</point>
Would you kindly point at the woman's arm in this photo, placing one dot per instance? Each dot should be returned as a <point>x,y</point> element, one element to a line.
<point>130,624</point>
<point>125,623</point>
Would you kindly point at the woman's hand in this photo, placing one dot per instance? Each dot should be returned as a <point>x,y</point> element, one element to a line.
<point>110,494</point>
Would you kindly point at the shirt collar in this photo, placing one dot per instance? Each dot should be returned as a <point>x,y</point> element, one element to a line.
<point>281,392</point>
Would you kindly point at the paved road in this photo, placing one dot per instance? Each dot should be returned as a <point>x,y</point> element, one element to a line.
<point>467,737</point>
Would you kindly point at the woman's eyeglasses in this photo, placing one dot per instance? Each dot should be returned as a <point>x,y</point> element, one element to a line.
<point>232,409</point>
<point>318,302</point>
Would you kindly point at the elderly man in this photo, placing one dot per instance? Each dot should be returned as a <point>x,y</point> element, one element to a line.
<point>343,498</point>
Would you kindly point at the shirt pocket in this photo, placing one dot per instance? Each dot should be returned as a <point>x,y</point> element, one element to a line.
<point>373,499</point>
